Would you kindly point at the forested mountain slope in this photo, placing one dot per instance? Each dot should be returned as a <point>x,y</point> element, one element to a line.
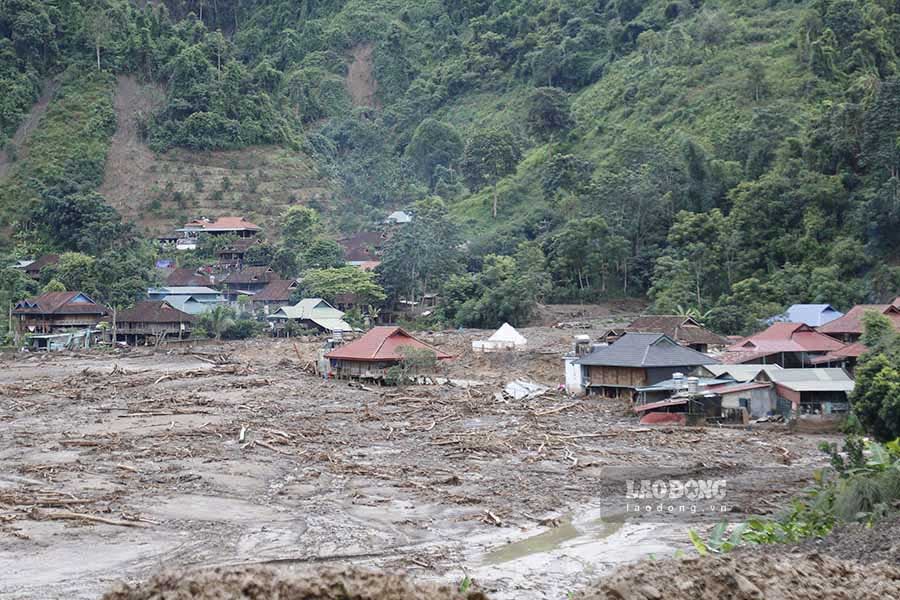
<point>723,157</point>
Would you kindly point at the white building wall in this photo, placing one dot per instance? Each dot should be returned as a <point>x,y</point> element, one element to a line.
<point>574,375</point>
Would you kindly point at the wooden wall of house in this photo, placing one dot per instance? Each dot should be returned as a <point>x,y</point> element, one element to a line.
<point>360,369</point>
<point>54,322</point>
<point>629,377</point>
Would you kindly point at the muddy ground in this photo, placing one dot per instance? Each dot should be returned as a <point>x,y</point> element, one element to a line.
<point>115,465</point>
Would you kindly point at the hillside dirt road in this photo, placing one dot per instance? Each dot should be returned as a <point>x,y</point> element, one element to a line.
<point>113,466</point>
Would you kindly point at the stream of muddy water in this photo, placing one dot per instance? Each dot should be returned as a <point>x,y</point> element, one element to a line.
<point>552,562</point>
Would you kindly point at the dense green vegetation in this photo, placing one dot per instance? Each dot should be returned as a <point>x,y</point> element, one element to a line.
<point>862,485</point>
<point>723,157</point>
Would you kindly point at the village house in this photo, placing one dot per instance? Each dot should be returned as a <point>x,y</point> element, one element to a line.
<point>814,315</point>
<point>771,391</point>
<point>363,247</point>
<point>789,345</point>
<point>844,357</point>
<point>193,300</point>
<point>849,327</point>
<point>236,226</point>
<point>634,361</point>
<point>186,237</point>
<point>313,314</point>
<point>56,312</point>
<point>32,268</point>
<point>152,321</point>
<point>247,281</point>
<point>232,255</point>
<point>811,391</point>
<point>370,356</point>
<point>684,330</point>
<point>276,294</point>
<point>182,277</point>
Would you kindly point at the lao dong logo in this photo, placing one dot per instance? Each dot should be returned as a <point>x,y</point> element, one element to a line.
<point>693,490</point>
<point>676,496</point>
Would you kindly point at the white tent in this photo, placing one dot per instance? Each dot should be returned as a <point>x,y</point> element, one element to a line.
<point>505,338</point>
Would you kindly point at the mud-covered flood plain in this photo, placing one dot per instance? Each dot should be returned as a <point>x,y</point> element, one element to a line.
<point>115,465</point>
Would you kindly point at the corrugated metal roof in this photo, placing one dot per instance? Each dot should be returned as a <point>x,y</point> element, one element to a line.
<point>791,375</point>
<point>308,308</point>
<point>646,350</point>
<point>813,315</point>
<point>739,372</point>
<point>332,324</point>
<point>183,290</point>
<point>221,224</point>
<point>851,323</point>
<point>678,384</point>
<point>786,337</point>
<point>813,380</point>
<point>192,305</point>
<point>854,350</point>
<point>733,388</point>
<point>660,404</point>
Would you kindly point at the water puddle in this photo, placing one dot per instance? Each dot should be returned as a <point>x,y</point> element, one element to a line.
<point>552,539</point>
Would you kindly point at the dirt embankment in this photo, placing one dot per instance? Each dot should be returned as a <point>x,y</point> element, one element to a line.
<point>159,191</point>
<point>750,576</point>
<point>361,82</point>
<point>28,125</point>
<point>267,584</point>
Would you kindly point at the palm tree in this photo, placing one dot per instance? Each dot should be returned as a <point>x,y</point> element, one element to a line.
<point>218,320</point>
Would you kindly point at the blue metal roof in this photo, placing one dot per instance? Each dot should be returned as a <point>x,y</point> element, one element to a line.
<point>813,315</point>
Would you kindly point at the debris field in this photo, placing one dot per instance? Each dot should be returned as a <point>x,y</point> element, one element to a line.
<point>116,465</point>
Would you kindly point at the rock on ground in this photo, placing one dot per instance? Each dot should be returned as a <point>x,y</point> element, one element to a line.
<point>750,576</point>
<point>267,584</point>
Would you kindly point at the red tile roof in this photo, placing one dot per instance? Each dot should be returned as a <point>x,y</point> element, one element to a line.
<point>786,337</point>
<point>851,323</point>
<point>154,311</point>
<point>729,388</point>
<point>381,344</point>
<point>60,303</point>
<point>278,290</point>
<point>854,350</point>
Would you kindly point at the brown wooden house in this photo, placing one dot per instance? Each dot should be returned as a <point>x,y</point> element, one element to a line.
<point>33,269</point>
<point>249,279</point>
<point>153,321</point>
<point>370,356</point>
<point>687,331</point>
<point>57,312</point>
<point>637,360</point>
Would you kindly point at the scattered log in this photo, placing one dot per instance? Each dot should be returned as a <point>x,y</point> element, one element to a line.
<point>73,516</point>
